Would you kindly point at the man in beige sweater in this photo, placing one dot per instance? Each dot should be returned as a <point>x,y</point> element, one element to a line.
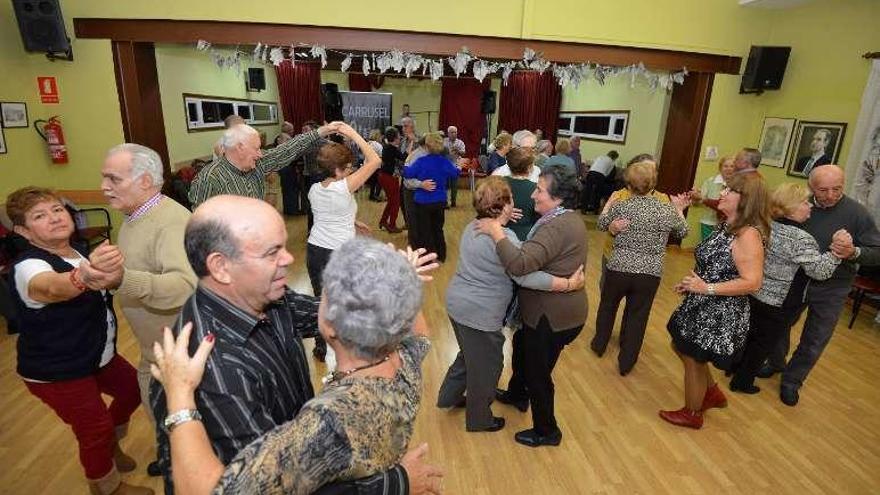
<point>158,278</point>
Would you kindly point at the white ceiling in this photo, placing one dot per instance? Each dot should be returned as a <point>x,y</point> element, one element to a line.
<point>773,4</point>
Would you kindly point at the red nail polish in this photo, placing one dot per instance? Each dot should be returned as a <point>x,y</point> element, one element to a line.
<point>210,337</point>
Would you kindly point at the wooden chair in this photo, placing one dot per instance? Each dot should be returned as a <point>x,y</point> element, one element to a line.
<point>861,286</point>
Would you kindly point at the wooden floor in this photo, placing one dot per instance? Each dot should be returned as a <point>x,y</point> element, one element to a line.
<point>613,440</point>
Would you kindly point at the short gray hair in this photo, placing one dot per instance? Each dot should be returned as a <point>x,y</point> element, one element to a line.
<point>237,134</point>
<point>544,145</point>
<point>522,135</point>
<point>372,296</point>
<point>143,161</point>
<point>204,236</point>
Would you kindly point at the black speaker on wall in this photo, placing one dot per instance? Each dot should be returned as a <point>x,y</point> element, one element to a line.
<point>487,104</point>
<point>256,79</point>
<point>42,27</point>
<point>332,101</point>
<point>765,68</point>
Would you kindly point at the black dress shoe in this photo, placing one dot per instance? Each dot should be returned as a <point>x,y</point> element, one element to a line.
<point>532,439</point>
<point>746,388</point>
<point>789,396</point>
<point>153,469</point>
<point>497,424</point>
<point>767,371</point>
<point>460,403</point>
<point>504,397</point>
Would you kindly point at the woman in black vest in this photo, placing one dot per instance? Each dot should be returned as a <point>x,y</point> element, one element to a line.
<point>67,347</point>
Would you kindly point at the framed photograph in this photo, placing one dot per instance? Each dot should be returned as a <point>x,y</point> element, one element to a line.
<point>775,140</point>
<point>814,144</point>
<point>2,142</point>
<point>14,114</point>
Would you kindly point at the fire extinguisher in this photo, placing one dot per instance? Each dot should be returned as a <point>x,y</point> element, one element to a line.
<point>53,134</point>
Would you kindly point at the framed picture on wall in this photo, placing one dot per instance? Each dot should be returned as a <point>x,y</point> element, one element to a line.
<point>2,142</point>
<point>814,144</point>
<point>14,114</point>
<point>775,140</point>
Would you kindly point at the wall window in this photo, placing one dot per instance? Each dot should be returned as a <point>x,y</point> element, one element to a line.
<point>607,126</point>
<point>209,112</point>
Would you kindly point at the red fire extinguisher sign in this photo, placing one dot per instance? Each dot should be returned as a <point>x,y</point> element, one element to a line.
<point>48,88</point>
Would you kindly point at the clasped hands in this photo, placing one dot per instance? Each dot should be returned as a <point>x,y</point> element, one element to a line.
<point>104,268</point>
<point>692,283</point>
<point>842,244</point>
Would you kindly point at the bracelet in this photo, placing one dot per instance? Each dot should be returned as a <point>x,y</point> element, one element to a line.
<point>76,283</point>
<point>710,289</point>
<point>177,418</point>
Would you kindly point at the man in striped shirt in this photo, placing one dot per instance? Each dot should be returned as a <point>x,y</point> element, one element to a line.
<point>257,377</point>
<point>243,166</point>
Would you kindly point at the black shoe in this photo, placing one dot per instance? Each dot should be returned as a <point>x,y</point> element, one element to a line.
<point>624,371</point>
<point>767,371</point>
<point>532,439</point>
<point>460,403</point>
<point>504,397</point>
<point>789,396</point>
<point>497,424</point>
<point>596,350</point>
<point>153,469</point>
<point>748,388</point>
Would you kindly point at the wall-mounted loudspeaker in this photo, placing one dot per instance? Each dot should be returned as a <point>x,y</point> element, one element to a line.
<point>256,79</point>
<point>487,104</point>
<point>764,68</point>
<point>42,27</point>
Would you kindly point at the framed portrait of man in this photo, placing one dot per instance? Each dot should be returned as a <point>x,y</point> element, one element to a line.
<point>814,144</point>
<point>775,140</point>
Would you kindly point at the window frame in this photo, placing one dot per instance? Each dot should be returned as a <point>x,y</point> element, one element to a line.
<point>609,137</point>
<point>199,125</point>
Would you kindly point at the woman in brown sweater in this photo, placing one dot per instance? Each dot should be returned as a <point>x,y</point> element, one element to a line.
<point>557,244</point>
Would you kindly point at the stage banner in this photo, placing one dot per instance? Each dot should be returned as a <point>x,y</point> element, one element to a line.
<point>366,111</point>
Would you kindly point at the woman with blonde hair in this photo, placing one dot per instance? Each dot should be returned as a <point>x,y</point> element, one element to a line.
<point>502,144</point>
<point>711,323</point>
<point>563,148</point>
<point>636,261</point>
<point>793,256</point>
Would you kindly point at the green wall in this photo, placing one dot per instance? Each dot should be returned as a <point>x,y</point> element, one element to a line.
<point>647,118</point>
<point>182,69</point>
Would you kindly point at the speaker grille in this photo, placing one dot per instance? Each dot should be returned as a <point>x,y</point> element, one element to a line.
<point>41,25</point>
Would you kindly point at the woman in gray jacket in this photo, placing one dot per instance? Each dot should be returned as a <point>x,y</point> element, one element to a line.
<point>792,258</point>
<point>476,301</point>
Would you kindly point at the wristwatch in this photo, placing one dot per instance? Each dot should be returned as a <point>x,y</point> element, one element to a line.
<point>177,418</point>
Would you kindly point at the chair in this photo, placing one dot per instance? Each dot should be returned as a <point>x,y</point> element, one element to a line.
<point>861,286</point>
<point>92,225</point>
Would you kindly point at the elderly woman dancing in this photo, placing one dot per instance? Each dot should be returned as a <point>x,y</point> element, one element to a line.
<point>712,321</point>
<point>67,347</point>
<point>551,320</point>
<point>361,422</point>
<point>476,301</point>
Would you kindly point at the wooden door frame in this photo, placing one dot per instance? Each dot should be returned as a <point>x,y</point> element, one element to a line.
<point>137,82</point>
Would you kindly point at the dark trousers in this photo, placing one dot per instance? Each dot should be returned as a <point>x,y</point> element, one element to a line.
<point>592,191</point>
<point>290,188</point>
<point>516,387</point>
<point>639,290</point>
<point>428,226</point>
<point>824,305</point>
<point>408,207</point>
<point>475,371</point>
<point>452,185</point>
<point>79,404</point>
<point>542,349</point>
<point>391,186</point>
<point>316,259</point>
<point>767,325</point>
<point>375,188</point>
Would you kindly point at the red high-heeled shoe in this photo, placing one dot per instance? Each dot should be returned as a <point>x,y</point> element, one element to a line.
<point>713,398</point>
<point>684,417</point>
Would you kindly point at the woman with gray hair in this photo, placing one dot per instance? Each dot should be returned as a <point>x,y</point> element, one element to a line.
<point>557,245</point>
<point>361,422</point>
<point>476,301</point>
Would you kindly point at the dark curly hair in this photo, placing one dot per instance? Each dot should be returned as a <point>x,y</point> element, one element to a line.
<point>562,183</point>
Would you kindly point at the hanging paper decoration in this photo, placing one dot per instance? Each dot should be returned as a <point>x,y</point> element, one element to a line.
<point>408,64</point>
<point>346,63</point>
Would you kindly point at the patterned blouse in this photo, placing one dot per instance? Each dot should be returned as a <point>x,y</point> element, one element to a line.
<point>355,427</point>
<point>642,246</point>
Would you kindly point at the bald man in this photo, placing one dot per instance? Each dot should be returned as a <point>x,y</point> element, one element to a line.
<point>257,377</point>
<point>832,212</point>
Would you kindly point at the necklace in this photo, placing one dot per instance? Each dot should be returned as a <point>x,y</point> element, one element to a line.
<point>335,376</point>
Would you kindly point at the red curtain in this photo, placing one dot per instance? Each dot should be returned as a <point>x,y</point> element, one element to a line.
<point>359,82</point>
<point>530,101</point>
<point>299,88</point>
<point>460,106</point>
